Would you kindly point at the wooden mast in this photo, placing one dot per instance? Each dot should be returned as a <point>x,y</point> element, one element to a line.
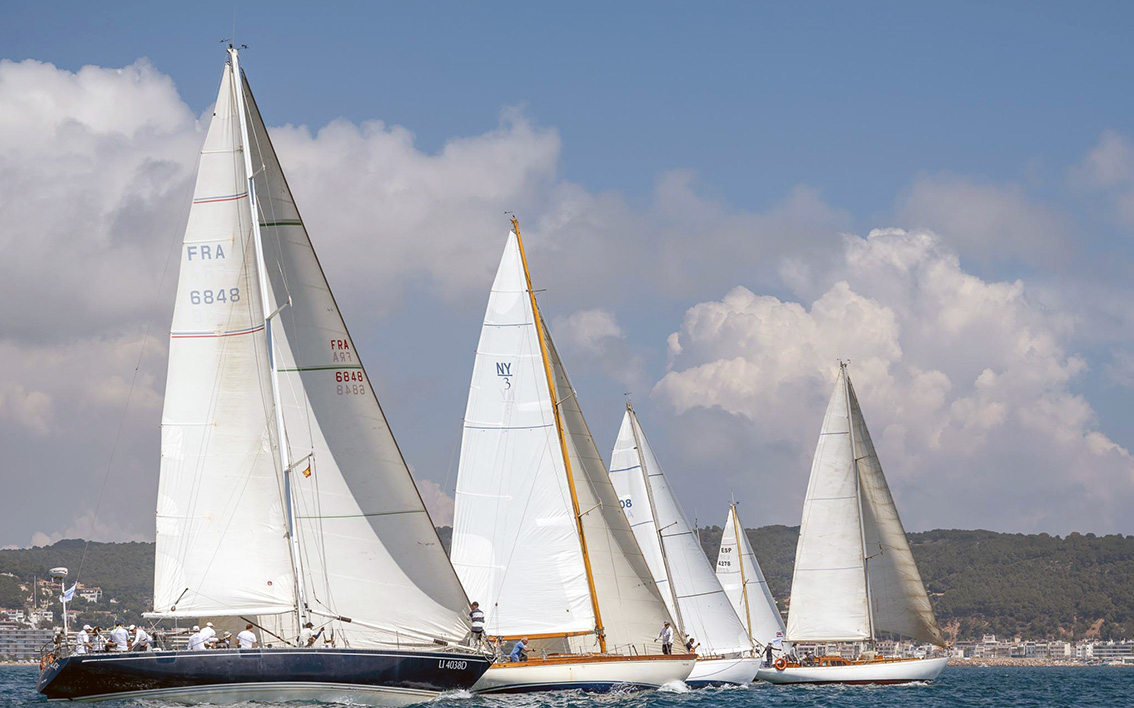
<point>740,559</point>
<point>562,438</point>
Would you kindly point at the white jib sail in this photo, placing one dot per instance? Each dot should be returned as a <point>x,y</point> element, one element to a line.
<point>703,609</point>
<point>632,609</point>
<point>828,589</point>
<point>369,550</point>
<point>901,605</point>
<point>744,583</point>
<point>221,536</point>
<point>515,543</point>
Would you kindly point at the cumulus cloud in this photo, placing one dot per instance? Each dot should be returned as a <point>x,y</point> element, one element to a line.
<point>437,501</point>
<point>1108,169</point>
<point>966,384</point>
<point>594,336</point>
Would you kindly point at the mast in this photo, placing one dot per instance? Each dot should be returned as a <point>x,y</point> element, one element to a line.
<point>740,558</point>
<point>858,495</point>
<point>562,440</point>
<point>262,275</point>
<point>654,515</point>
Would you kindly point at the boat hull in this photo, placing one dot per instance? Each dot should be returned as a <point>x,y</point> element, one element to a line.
<point>723,672</point>
<point>871,672</point>
<point>370,677</point>
<point>596,674</point>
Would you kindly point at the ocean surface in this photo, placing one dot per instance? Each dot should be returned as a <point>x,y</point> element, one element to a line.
<point>1016,687</point>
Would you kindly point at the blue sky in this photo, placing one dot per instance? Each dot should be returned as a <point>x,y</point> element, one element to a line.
<point>668,153</point>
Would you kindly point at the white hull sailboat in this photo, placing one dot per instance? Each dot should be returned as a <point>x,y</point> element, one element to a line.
<point>690,588</point>
<point>743,582</point>
<point>538,538</point>
<point>855,577</point>
<point>282,497</point>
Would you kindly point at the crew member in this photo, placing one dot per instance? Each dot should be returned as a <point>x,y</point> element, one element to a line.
<point>520,651</point>
<point>666,637</point>
<point>83,640</point>
<point>691,645</point>
<point>142,640</point>
<point>246,639</point>
<point>476,618</point>
<point>307,635</point>
<point>120,636</point>
<point>209,636</point>
<point>196,641</point>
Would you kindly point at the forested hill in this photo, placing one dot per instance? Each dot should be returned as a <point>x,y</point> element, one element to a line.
<point>980,582</point>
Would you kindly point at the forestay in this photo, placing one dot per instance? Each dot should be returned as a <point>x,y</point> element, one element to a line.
<point>683,573</point>
<point>515,543</point>
<point>743,581</point>
<point>221,536</point>
<point>368,548</point>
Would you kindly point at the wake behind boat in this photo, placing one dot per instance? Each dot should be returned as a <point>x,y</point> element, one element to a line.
<point>538,537</point>
<point>283,496</point>
<point>855,577</point>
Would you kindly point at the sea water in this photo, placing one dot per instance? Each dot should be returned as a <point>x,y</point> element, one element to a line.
<point>957,687</point>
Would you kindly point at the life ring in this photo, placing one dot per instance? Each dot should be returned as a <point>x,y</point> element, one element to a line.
<point>781,664</point>
<point>45,660</point>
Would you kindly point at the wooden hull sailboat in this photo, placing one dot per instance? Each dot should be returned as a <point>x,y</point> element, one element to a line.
<point>282,494</point>
<point>855,577</point>
<point>688,584</point>
<point>538,538</point>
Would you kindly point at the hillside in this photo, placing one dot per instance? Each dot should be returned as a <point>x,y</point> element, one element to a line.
<point>980,581</point>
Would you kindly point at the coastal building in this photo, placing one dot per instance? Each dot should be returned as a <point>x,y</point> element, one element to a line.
<point>21,643</point>
<point>12,615</point>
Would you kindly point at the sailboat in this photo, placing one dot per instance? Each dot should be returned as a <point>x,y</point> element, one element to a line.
<point>538,537</point>
<point>855,577</point>
<point>744,584</point>
<point>283,497</point>
<point>684,575</point>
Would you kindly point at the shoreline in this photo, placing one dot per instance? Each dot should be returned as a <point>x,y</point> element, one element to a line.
<point>1002,661</point>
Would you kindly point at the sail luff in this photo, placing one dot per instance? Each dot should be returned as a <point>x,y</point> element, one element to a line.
<point>740,561</point>
<point>541,335</point>
<point>277,405</point>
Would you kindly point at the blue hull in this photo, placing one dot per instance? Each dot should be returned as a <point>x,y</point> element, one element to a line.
<point>94,676</point>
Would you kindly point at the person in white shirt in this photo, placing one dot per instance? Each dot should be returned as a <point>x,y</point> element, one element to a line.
<point>98,642</point>
<point>308,636</point>
<point>196,643</point>
<point>142,640</point>
<point>246,639</point>
<point>83,640</point>
<point>209,636</point>
<point>666,637</point>
<point>120,637</point>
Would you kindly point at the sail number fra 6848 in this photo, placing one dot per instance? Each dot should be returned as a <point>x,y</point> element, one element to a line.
<point>350,382</point>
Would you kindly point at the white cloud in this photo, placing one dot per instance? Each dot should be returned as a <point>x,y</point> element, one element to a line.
<point>1108,170</point>
<point>437,502</point>
<point>967,386</point>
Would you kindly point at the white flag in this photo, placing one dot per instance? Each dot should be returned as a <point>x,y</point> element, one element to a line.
<point>69,593</point>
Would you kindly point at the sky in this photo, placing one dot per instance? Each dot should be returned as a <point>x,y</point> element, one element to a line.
<point>719,202</point>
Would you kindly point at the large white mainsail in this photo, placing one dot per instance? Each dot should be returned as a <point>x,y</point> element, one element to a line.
<point>222,544</point>
<point>364,533</point>
<point>855,577</point>
<point>744,583</point>
<point>516,542</point>
<point>365,554</point>
<point>683,573</point>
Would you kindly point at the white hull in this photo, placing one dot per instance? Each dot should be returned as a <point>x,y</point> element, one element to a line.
<point>600,675</point>
<point>278,692</point>
<point>723,671</point>
<point>888,672</point>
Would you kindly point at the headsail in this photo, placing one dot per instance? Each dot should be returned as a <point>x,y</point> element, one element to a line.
<point>744,582</point>
<point>364,532</point>
<point>221,539</point>
<point>683,573</point>
<point>901,605</point>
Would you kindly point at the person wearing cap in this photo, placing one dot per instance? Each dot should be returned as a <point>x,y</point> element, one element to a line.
<point>196,643</point>
<point>307,635</point>
<point>225,641</point>
<point>120,637</point>
<point>476,618</point>
<point>209,636</point>
<point>666,637</point>
<point>83,640</point>
<point>142,640</point>
<point>246,639</point>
